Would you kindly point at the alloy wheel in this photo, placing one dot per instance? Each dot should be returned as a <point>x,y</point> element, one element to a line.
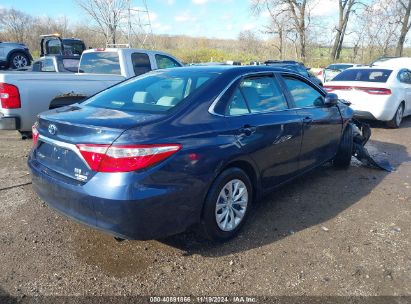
<point>20,61</point>
<point>231,205</point>
<point>399,115</point>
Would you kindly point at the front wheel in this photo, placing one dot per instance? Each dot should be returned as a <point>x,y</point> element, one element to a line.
<point>18,61</point>
<point>395,122</point>
<point>343,157</point>
<point>227,205</point>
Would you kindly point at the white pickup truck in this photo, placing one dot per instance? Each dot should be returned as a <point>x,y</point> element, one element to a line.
<point>24,95</point>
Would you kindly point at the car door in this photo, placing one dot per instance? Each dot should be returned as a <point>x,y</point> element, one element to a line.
<point>265,127</point>
<point>404,78</point>
<point>322,125</point>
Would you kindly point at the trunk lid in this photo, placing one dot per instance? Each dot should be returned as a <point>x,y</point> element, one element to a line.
<point>356,91</point>
<point>60,130</point>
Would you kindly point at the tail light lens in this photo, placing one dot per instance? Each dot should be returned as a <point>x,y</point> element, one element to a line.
<point>9,96</point>
<point>320,73</point>
<point>375,91</point>
<point>125,158</point>
<point>35,134</point>
<point>369,90</point>
<point>335,88</point>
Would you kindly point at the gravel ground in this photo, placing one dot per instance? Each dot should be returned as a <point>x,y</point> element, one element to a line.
<point>329,233</point>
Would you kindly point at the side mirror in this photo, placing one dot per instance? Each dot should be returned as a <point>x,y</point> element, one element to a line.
<point>331,99</point>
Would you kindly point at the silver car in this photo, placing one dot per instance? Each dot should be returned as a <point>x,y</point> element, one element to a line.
<point>14,55</point>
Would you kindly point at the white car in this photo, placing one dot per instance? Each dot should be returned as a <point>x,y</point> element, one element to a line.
<point>400,62</point>
<point>379,93</point>
<point>328,73</point>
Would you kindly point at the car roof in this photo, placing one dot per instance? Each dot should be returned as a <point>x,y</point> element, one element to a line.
<point>399,62</point>
<point>233,69</point>
<point>373,67</point>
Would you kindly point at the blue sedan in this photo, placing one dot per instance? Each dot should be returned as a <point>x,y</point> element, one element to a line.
<point>193,146</point>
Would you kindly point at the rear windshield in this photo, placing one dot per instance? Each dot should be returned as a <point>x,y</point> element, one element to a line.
<point>368,75</point>
<point>71,64</point>
<point>339,66</point>
<point>155,92</point>
<point>100,63</point>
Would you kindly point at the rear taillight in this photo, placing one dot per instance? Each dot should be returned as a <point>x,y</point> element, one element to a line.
<point>35,134</point>
<point>374,91</point>
<point>369,90</point>
<point>125,158</point>
<point>329,88</point>
<point>320,73</point>
<point>9,96</point>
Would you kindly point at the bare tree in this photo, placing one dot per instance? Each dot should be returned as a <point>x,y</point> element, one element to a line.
<point>279,27</point>
<point>298,12</point>
<point>249,42</point>
<point>404,12</point>
<point>15,23</point>
<point>108,15</point>
<point>345,9</point>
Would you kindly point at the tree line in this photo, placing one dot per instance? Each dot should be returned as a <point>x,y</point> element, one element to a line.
<point>363,30</point>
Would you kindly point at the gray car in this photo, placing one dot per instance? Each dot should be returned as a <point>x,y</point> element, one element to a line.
<point>14,55</point>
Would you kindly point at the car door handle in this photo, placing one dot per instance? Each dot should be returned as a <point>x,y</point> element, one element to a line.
<point>307,120</point>
<point>247,130</point>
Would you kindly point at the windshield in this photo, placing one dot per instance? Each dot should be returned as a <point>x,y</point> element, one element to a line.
<point>367,75</point>
<point>155,92</point>
<point>100,63</point>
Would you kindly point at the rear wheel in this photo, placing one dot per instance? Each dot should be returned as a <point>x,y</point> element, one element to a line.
<point>19,60</point>
<point>343,157</point>
<point>395,122</point>
<point>227,205</point>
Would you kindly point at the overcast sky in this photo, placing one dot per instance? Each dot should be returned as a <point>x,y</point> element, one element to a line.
<point>199,18</point>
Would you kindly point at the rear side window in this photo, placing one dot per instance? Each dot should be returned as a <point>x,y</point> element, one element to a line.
<point>258,95</point>
<point>71,64</point>
<point>405,76</point>
<point>48,65</point>
<point>141,63</point>
<point>238,105</point>
<point>303,94</point>
<point>367,75</point>
<point>100,63</point>
<point>165,62</point>
<point>263,95</point>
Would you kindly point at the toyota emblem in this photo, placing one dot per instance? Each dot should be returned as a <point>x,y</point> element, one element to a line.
<point>52,129</point>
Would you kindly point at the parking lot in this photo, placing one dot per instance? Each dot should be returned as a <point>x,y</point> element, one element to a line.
<point>332,232</point>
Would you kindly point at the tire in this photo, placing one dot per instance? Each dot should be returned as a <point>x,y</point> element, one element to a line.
<point>343,157</point>
<point>19,60</point>
<point>395,122</point>
<point>214,225</point>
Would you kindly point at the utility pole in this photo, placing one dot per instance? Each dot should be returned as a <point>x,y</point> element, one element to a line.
<point>139,25</point>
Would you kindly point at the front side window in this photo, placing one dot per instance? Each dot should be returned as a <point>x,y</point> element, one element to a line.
<point>155,92</point>
<point>303,94</point>
<point>165,62</point>
<point>263,95</point>
<point>100,63</point>
<point>141,63</point>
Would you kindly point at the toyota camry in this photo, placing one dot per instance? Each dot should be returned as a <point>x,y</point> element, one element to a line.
<point>194,146</point>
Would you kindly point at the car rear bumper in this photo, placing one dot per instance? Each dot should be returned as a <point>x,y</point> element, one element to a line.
<point>107,202</point>
<point>9,123</point>
<point>364,115</point>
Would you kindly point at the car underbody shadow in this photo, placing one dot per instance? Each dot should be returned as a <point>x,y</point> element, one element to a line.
<point>308,201</point>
